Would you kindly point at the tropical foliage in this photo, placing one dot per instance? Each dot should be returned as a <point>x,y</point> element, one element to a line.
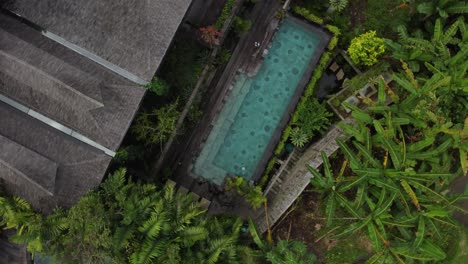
<point>126,222</point>
<point>442,8</point>
<point>252,194</point>
<point>210,35</point>
<point>157,126</point>
<point>366,49</point>
<point>242,26</point>
<point>284,252</point>
<point>158,86</point>
<point>224,14</point>
<point>401,162</point>
<point>338,5</point>
<point>313,118</point>
<point>299,137</point>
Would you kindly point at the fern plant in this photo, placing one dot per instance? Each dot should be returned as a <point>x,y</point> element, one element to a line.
<point>338,5</point>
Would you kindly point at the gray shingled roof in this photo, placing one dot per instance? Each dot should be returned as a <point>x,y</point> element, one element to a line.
<point>64,86</point>
<point>43,165</point>
<point>132,34</point>
<point>12,253</point>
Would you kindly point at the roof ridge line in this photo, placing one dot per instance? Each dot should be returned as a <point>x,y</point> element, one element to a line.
<point>53,79</point>
<point>95,58</point>
<point>27,178</point>
<point>56,125</point>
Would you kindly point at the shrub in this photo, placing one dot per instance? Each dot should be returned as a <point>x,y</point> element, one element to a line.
<point>284,138</point>
<point>252,194</point>
<point>266,174</point>
<point>158,86</point>
<point>323,61</point>
<point>307,15</point>
<point>210,35</point>
<point>157,126</point>
<point>242,26</point>
<point>224,14</point>
<point>366,48</point>
<point>338,5</point>
<point>335,30</point>
<point>223,57</point>
<point>298,137</point>
<point>312,117</point>
<point>333,42</point>
<point>280,14</point>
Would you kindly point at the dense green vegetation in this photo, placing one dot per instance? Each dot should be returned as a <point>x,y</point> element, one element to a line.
<point>128,222</point>
<point>366,49</point>
<point>393,186</point>
<point>392,189</point>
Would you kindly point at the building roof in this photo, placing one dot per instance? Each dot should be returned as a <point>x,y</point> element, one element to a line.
<point>64,86</point>
<point>131,34</point>
<point>43,165</point>
<point>12,253</point>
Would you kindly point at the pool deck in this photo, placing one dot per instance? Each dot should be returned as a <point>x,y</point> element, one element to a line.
<point>246,58</point>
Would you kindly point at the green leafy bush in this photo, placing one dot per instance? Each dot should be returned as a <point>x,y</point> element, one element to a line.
<point>313,117</point>
<point>252,194</point>
<point>129,153</point>
<point>307,15</point>
<point>333,42</point>
<point>224,14</point>
<point>127,222</point>
<point>366,49</point>
<point>266,174</point>
<point>158,86</point>
<point>280,14</point>
<point>290,252</point>
<point>157,126</point>
<point>284,138</point>
<point>338,5</point>
<point>299,137</point>
<point>242,26</point>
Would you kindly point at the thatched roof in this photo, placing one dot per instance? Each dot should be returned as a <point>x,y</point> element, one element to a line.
<point>43,165</point>
<point>132,34</point>
<point>64,86</point>
<point>11,253</point>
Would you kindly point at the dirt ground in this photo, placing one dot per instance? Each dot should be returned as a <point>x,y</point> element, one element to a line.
<point>356,10</point>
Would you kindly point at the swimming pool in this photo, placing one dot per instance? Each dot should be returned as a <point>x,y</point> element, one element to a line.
<point>256,105</point>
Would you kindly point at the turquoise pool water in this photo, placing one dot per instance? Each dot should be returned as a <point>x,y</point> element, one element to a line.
<point>255,106</point>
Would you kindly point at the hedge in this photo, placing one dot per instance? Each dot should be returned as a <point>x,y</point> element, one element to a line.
<point>224,14</point>
<point>266,174</point>
<point>307,15</point>
<point>284,138</point>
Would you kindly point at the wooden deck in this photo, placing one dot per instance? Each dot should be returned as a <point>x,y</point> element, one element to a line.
<point>292,183</point>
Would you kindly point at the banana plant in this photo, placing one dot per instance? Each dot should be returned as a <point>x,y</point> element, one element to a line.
<point>443,8</point>
<point>327,184</point>
<point>437,49</point>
